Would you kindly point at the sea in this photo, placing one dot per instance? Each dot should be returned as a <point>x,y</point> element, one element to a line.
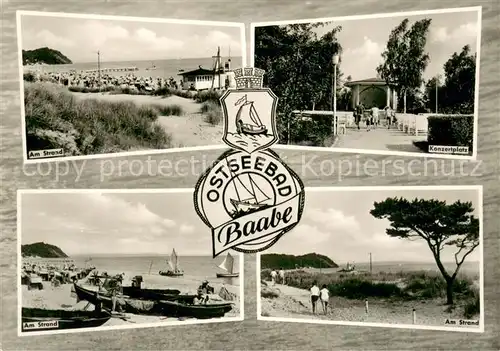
<point>196,269</point>
<point>470,269</point>
<point>163,68</point>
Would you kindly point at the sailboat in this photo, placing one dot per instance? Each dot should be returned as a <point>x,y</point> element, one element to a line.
<point>247,118</point>
<point>256,199</point>
<point>152,68</point>
<point>173,263</point>
<point>228,266</point>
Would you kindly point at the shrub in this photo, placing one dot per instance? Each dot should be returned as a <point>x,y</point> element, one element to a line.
<point>208,95</point>
<point>473,306</point>
<point>451,131</point>
<point>29,77</point>
<point>212,111</point>
<point>305,131</point>
<point>269,294</point>
<point>168,110</point>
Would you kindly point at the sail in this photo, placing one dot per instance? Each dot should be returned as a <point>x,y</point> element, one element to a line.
<point>228,263</point>
<point>244,113</point>
<point>254,116</point>
<point>173,261</point>
<point>259,195</point>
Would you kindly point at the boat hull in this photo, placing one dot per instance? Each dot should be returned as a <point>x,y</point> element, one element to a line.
<point>228,275</point>
<point>170,274</point>
<point>177,309</point>
<point>65,319</point>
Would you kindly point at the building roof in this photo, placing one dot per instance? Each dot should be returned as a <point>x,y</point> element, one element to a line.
<point>369,81</point>
<point>197,72</point>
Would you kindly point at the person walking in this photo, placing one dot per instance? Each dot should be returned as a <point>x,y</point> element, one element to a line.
<point>375,116</point>
<point>358,113</point>
<point>282,276</point>
<point>325,298</point>
<point>314,296</point>
<point>273,277</point>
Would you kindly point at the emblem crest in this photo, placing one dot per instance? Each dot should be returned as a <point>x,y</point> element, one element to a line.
<point>249,197</point>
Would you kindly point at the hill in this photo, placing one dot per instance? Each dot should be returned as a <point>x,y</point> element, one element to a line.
<point>42,250</point>
<point>44,55</point>
<point>314,260</point>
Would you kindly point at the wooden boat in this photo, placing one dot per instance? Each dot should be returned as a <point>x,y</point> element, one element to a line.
<point>37,319</point>
<point>176,309</point>
<point>175,270</point>
<point>228,266</point>
<point>247,118</point>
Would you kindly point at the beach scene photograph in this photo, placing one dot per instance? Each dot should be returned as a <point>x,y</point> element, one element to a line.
<point>394,257</point>
<point>111,260</point>
<point>400,83</point>
<point>97,85</point>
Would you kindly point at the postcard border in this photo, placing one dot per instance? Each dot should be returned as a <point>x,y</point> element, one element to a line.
<point>478,188</point>
<point>20,13</point>
<point>473,157</point>
<point>20,333</point>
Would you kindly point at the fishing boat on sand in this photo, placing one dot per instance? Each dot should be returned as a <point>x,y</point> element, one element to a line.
<point>173,263</point>
<point>228,266</point>
<point>159,305</point>
<point>250,197</point>
<point>38,319</point>
<point>247,119</point>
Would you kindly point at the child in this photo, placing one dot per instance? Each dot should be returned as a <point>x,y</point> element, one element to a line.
<point>273,277</point>
<point>325,297</point>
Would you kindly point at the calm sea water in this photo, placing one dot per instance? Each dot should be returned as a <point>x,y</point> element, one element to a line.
<point>196,269</point>
<point>471,269</point>
<point>164,68</point>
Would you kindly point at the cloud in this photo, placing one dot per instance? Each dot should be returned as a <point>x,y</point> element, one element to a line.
<point>361,61</point>
<point>49,39</point>
<point>186,229</point>
<point>332,219</point>
<point>465,32</point>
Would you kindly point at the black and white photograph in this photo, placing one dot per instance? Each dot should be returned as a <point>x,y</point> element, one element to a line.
<point>95,85</point>
<point>390,84</point>
<point>400,257</point>
<point>109,259</point>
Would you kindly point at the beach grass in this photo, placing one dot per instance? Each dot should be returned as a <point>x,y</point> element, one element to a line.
<point>168,110</point>
<point>56,119</point>
<point>212,112</point>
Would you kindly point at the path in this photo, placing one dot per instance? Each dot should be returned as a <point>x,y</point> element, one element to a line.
<point>187,130</point>
<point>295,303</point>
<point>380,138</point>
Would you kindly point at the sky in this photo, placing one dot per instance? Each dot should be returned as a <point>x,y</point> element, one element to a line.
<point>97,223</point>
<point>364,40</point>
<point>340,226</point>
<point>80,38</point>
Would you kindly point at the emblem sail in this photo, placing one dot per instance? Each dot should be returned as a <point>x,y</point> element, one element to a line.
<point>247,118</point>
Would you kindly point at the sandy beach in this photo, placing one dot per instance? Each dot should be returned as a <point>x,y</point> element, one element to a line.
<point>295,303</point>
<point>188,130</point>
<point>61,298</point>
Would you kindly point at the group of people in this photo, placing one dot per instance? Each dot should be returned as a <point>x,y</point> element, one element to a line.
<point>322,295</point>
<point>278,277</point>
<point>372,120</point>
<point>104,81</point>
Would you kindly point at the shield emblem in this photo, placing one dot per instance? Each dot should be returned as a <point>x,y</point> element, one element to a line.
<point>249,119</point>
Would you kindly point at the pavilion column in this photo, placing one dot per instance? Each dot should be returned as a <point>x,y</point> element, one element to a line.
<point>394,100</point>
<point>357,95</point>
<point>387,95</point>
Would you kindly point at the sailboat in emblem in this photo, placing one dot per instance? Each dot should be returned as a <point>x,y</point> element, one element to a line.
<point>249,199</point>
<point>175,270</point>
<point>228,266</point>
<point>247,118</point>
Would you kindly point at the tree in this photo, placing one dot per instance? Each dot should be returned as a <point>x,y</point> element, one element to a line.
<point>438,224</point>
<point>405,58</point>
<point>298,65</point>
<point>460,81</point>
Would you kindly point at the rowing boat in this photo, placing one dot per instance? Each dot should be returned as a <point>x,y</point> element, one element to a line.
<point>38,319</point>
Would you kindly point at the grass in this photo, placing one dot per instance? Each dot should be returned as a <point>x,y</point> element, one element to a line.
<point>56,119</point>
<point>168,110</point>
<point>212,112</point>
<point>419,285</point>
